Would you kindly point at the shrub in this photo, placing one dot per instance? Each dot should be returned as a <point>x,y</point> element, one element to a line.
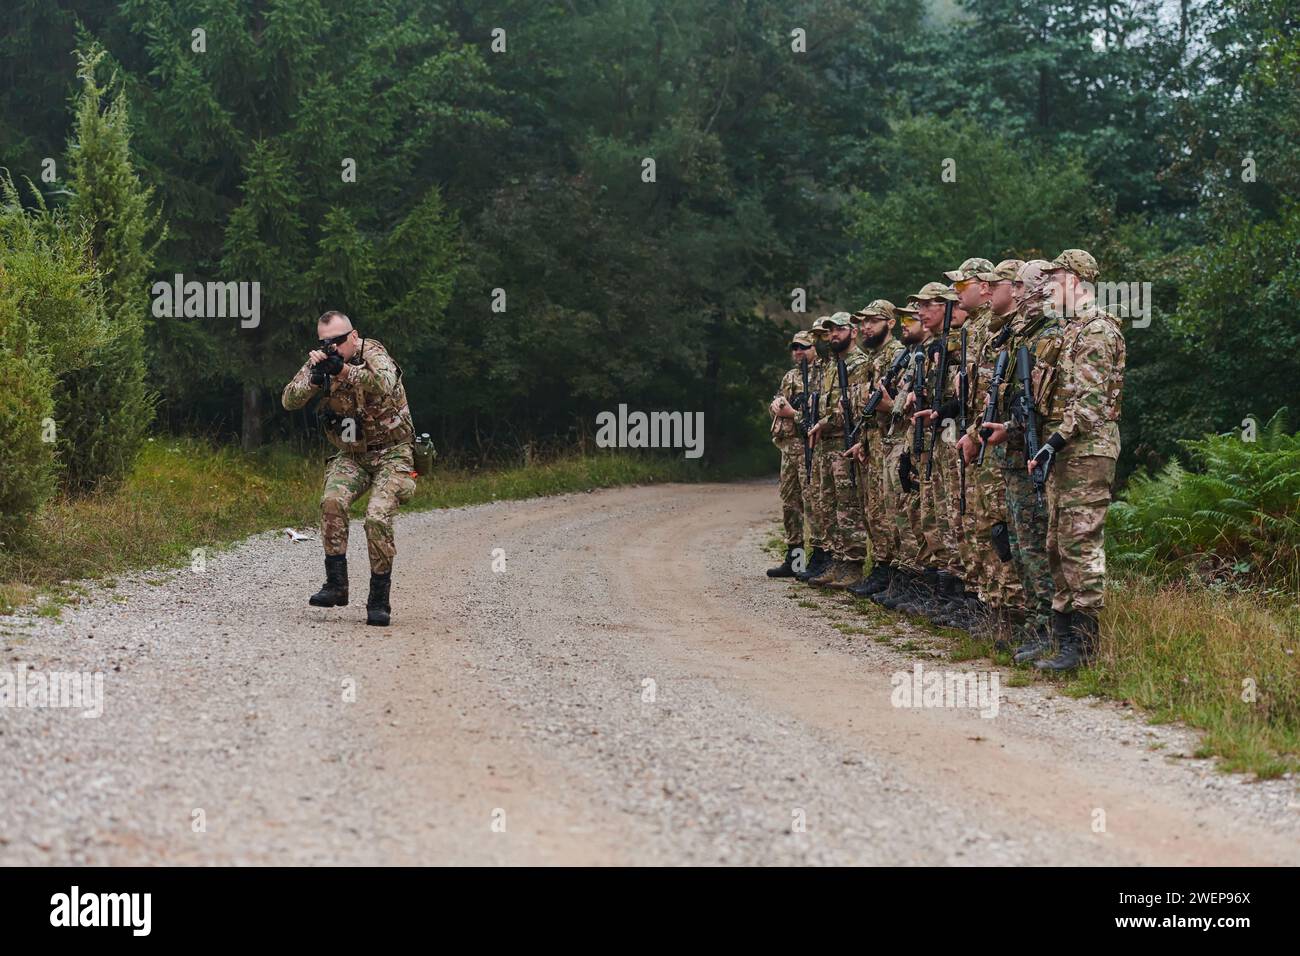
<point>1234,514</point>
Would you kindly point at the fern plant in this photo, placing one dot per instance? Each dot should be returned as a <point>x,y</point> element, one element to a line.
<point>1234,512</point>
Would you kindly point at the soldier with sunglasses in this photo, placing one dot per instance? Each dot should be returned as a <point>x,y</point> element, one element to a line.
<point>363,405</point>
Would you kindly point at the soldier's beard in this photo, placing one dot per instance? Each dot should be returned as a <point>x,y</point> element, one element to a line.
<point>872,341</point>
<point>841,345</point>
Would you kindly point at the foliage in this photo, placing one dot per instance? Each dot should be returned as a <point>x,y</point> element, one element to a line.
<point>1236,515</point>
<point>105,409</point>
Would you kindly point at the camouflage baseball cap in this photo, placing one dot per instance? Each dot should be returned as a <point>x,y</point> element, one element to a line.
<point>907,313</point>
<point>970,269</point>
<point>1077,261</point>
<point>819,326</point>
<point>879,309</point>
<point>1004,271</point>
<point>839,319</point>
<point>934,290</point>
<point>1031,274</point>
<point>801,338</point>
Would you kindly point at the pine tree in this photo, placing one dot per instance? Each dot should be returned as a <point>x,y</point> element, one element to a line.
<point>106,409</point>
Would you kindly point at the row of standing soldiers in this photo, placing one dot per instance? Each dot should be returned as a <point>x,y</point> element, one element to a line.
<point>971,458</point>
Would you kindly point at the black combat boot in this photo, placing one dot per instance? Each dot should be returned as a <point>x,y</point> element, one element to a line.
<point>1080,648</point>
<point>334,592</point>
<point>377,609</point>
<point>786,568</point>
<point>1037,641</point>
<point>1066,643</point>
<point>923,596</point>
<point>875,582</point>
<point>900,583</point>
<point>817,563</point>
<point>949,607</point>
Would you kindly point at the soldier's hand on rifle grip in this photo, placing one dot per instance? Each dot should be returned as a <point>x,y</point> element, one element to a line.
<point>924,415</point>
<point>812,435</point>
<point>968,447</point>
<point>858,451</point>
<point>994,433</point>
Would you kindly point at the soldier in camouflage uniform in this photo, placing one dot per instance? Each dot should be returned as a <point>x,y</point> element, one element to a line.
<point>1026,515</point>
<point>368,420</point>
<point>848,530</point>
<point>786,435</point>
<point>819,505</point>
<point>987,527</point>
<point>896,437</point>
<point>881,347</point>
<point>1081,400</point>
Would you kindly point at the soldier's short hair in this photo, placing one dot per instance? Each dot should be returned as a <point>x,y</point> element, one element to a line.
<point>331,315</point>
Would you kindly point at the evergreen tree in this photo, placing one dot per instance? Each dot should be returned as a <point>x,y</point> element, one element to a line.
<point>106,408</point>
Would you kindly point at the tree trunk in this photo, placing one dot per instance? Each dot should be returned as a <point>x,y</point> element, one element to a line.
<point>250,438</point>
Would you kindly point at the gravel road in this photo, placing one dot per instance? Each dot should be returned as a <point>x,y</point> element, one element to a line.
<point>630,689</point>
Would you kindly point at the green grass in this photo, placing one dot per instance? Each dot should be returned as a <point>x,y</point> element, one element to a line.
<point>186,494</point>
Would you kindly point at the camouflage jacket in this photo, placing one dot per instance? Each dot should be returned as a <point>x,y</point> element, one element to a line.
<point>858,366</point>
<point>894,424</point>
<point>366,402</point>
<point>882,356</point>
<point>1081,401</point>
<point>785,431</point>
<point>1041,335</point>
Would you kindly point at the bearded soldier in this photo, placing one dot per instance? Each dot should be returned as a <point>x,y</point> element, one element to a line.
<point>821,496</point>
<point>786,408</point>
<point>876,323</point>
<point>902,498</point>
<point>363,405</point>
<point>848,532</point>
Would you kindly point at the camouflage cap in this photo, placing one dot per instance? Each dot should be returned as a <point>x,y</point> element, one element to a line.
<point>1031,274</point>
<point>801,338</point>
<point>879,309</point>
<point>970,269</point>
<point>819,326</point>
<point>907,313</point>
<point>934,290</point>
<point>1004,271</point>
<point>1077,261</point>
<point>840,319</point>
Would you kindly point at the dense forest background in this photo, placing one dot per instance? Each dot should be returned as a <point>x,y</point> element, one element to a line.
<point>1159,135</point>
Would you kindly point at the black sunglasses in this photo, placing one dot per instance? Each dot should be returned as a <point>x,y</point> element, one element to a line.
<point>337,340</point>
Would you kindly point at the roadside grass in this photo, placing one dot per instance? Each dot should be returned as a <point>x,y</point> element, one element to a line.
<point>187,493</point>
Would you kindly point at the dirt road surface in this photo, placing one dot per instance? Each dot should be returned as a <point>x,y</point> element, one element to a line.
<point>630,689</point>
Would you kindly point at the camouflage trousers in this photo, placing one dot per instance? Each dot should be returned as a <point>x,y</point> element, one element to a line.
<point>815,498</point>
<point>880,528</point>
<point>848,534</point>
<point>1027,522</point>
<point>904,509</point>
<point>388,476</point>
<point>942,545</point>
<point>997,581</point>
<point>1078,494</point>
<point>791,488</point>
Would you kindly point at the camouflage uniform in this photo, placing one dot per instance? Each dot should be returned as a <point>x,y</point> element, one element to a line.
<point>944,544</point>
<point>877,500</point>
<point>371,427</point>
<point>1026,517</point>
<point>1081,398</point>
<point>787,438</point>
<point>896,439</point>
<point>848,532</point>
<point>998,580</point>
<point>820,497</point>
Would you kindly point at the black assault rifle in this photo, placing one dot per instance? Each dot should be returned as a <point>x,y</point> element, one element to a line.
<point>1023,409</point>
<point>846,407</point>
<point>937,398</point>
<point>963,389</point>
